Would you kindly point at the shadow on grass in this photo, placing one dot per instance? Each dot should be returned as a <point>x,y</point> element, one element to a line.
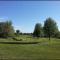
<point>19,42</point>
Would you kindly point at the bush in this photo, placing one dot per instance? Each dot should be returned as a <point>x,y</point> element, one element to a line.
<point>14,38</point>
<point>17,39</point>
<point>57,35</point>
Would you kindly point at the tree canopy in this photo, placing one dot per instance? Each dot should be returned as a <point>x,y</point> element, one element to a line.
<point>50,27</point>
<point>6,29</point>
<point>38,30</point>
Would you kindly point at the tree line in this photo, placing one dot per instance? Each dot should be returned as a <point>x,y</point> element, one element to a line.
<point>49,29</point>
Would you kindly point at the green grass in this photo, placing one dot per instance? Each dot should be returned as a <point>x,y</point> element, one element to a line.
<point>44,50</point>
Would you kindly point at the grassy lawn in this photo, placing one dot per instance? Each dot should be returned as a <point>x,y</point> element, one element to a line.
<point>44,50</point>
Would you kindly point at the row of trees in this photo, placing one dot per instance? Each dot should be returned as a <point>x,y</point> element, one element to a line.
<point>50,29</point>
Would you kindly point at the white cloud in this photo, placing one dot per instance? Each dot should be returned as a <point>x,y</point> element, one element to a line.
<point>3,19</point>
<point>58,23</point>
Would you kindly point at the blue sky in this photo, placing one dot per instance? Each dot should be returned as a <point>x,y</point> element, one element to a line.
<point>25,14</point>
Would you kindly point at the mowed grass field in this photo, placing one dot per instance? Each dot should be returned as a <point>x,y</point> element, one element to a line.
<point>44,50</point>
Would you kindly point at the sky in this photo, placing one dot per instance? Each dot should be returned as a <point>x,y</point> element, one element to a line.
<point>25,14</point>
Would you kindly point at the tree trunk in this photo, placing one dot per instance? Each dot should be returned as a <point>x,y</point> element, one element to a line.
<point>49,37</point>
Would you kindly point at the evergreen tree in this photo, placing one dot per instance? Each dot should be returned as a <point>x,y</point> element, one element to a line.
<point>38,30</point>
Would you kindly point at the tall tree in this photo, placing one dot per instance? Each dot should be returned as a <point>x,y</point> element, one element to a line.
<point>6,29</point>
<point>50,27</point>
<point>9,28</point>
<point>38,30</point>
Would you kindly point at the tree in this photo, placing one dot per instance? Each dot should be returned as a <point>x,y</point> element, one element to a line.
<point>50,27</point>
<point>17,32</point>
<point>9,28</point>
<point>57,35</point>
<point>6,29</point>
<point>38,30</point>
